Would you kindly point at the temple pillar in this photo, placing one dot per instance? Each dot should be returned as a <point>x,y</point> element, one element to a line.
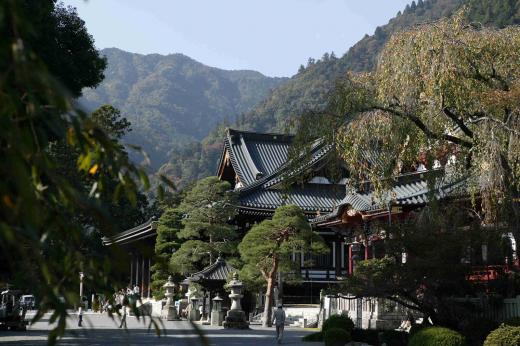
<point>141,291</point>
<point>149,276</point>
<point>131,269</point>
<point>136,271</point>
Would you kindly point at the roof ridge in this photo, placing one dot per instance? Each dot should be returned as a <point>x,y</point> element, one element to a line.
<point>264,134</point>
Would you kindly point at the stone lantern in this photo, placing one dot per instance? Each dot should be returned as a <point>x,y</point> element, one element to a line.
<point>194,309</point>
<point>169,310</point>
<point>236,318</point>
<point>216,312</point>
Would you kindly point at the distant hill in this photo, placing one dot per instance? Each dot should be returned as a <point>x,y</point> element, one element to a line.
<point>308,89</point>
<point>173,100</point>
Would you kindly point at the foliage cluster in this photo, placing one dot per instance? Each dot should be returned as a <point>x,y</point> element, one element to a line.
<point>504,335</point>
<point>334,322</point>
<point>437,336</point>
<point>193,230</point>
<point>47,57</point>
<point>338,321</point>
<point>267,248</point>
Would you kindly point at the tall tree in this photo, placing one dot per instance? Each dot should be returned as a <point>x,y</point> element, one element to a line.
<point>60,39</point>
<point>268,245</point>
<point>428,258</point>
<point>208,208</point>
<point>446,92</point>
<point>40,244</point>
<point>166,243</point>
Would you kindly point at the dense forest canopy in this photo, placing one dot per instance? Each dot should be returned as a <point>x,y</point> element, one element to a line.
<point>173,100</point>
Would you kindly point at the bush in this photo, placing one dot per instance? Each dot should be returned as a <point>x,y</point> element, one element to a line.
<point>368,336</point>
<point>336,337</point>
<point>417,327</point>
<point>313,337</point>
<point>504,336</point>
<point>338,321</point>
<point>378,337</point>
<point>513,322</point>
<point>393,338</point>
<point>437,336</point>
<point>96,305</point>
<point>477,329</point>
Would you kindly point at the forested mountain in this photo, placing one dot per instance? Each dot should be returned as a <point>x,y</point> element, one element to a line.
<point>173,100</point>
<point>308,89</point>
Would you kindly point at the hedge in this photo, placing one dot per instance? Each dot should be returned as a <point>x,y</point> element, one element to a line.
<point>338,321</point>
<point>504,336</point>
<point>437,336</point>
<point>336,337</point>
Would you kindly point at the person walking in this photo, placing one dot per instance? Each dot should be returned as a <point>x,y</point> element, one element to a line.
<point>279,322</point>
<point>124,304</point>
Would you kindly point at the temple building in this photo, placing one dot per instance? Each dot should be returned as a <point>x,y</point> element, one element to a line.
<point>138,244</point>
<point>349,219</point>
<point>256,164</point>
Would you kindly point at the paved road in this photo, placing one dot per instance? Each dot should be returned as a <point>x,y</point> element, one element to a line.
<point>101,330</point>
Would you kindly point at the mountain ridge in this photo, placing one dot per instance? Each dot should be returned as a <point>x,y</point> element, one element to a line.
<point>174,99</point>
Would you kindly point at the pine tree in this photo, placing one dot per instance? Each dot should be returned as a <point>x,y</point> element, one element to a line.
<point>266,247</point>
<point>207,207</point>
<point>166,243</point>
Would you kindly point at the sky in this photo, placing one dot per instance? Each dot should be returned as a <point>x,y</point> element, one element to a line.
<point>270,36</point>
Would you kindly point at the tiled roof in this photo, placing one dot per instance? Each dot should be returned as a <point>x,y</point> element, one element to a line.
<point>260,161</point>
<point>309,197</point>
<point>143,231</point>
<point>256,156</point>
<point>410,189</point>
<point>217,271</point>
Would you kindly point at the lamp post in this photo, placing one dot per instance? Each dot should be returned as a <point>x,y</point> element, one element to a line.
<point>80,312</point>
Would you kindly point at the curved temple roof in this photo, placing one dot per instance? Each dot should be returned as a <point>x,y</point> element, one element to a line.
<point>143,231</point>
<point>260,161</point>
<point>218,271</point>
<point>411,189</point>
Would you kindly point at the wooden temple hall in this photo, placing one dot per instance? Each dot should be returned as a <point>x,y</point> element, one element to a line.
<point>256,165</point>
<point>139,244</point>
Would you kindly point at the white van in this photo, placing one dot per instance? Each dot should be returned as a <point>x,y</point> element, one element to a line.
<point>28,301</point>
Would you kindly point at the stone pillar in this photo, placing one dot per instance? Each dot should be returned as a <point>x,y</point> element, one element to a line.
<point>136,271</point>
<point>236,317</point>
<point>169,310</point>
<point>141,291</point>
<point>149,277</point>
<point>131,269</point>
<point>216,313</point>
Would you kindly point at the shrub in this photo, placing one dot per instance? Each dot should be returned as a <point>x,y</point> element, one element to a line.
<point>368,336</point>
<point>417,327</point>
<point>513,322</point>
<point>336,337</point>
<point>313,337</point>
<point>338,321</point>
<point>437,336</point>
<point>393,337</point>
<point>504,336</point>
<point>477,329</point>
<point>378,337</point>
<point>96,305</point>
